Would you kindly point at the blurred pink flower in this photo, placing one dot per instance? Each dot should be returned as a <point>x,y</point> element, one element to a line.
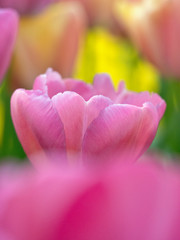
<point>8,29</point>
<point>78,119</point>
<point>26,6</point>
<point>122,202</point>
<point>155,29</point>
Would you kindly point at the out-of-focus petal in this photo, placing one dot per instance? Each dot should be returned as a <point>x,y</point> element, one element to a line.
<point>137,202</point>
<point>121,202</point>
<point>154,28</point>
<point>41,198</point>
<point>49,39</point>
<point>37,123</point>
<point>26,6</point>
<point>99,12</point>
<point>8,29</point>
<point>120,132</point>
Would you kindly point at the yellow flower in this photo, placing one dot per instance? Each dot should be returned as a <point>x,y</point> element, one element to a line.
<point>104,52</point>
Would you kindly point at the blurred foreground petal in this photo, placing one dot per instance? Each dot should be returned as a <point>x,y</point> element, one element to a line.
<point>122,202</point>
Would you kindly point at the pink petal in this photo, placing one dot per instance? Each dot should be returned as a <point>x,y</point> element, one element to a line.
<point>8,28</point>
<point>128,202</point>
<point>124,202</point>
<point>94,106</point>
<point>37,123</point>
<point>50,83</point>
<point>80,87</point>
<point>71,109</point>
<point>103,86</point>
<point>138,99</point>
<point>34,204</point>
<point>121,132</point>
<point>121,87</point>
<point>25,6</point>
<point>149,206</point>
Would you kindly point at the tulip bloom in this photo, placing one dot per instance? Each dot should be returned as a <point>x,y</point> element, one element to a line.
<point>8,29</point>
<point>122,202</point>
<point>49,39</point>
<point>155,28</point>
<point>77,119</point>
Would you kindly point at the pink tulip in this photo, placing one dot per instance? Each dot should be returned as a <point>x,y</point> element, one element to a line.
<point>122,202</point>
<point>26,6</point>
<point>78,119</point>
<point>155,28</point>
<point>8,29</point>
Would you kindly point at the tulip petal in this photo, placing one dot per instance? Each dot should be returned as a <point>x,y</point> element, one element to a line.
<point>37,123</point>
<point>71,109</point>
<point>94,106</point>
<point>103,85</point>
<point>8,28</point>
<point>45,195</point>
<point>50,83</point>
<point>80,87</point>
<point>121,132</point>
<point>138,99</point>
<point>129,197</point>
<point>121,87</point>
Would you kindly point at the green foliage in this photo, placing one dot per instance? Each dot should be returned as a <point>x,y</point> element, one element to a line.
<point>168,137</point>
<point>10,146</point>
